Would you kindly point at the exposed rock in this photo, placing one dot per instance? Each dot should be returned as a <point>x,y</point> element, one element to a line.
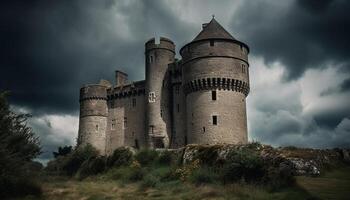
<point>297,161</point>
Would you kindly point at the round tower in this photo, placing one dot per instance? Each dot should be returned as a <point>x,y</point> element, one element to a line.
<point>93,116</point>
<point>158,56</point>
<point>216,82</point>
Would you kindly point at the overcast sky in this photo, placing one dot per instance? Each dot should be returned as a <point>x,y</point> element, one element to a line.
<point>299,59</point>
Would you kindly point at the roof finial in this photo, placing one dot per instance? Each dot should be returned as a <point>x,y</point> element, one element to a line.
<point>213,16</point>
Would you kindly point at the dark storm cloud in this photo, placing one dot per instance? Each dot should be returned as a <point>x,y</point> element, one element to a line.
<point>51,48</point>
<point>301,34</point>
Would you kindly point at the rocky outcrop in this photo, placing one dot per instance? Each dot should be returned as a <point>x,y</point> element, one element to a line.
<point>299,161</point>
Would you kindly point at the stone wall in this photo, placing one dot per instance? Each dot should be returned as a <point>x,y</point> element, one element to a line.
<point>93,116</point>
<point>158,56</point>
<point>221,68</point>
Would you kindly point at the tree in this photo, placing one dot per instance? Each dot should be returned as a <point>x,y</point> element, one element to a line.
<point>62,151</point>
<point>19,146</point>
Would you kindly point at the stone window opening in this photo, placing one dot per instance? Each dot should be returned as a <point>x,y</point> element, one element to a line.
<point>96,127</point>
<point>134,102</point>
<point>151,59</point>
<point>125,122</point>
<point>215,120</point>
<point>243,68</point>
<point>213,95</point>
<point>203,129</point>
<point>113,124</point>
<point>161,112</point>
<point>211,43</point>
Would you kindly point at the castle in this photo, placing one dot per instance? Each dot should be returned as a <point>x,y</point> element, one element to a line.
<point>200,99</point>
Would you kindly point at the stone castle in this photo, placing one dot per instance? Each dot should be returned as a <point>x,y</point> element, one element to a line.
<point>200,99</point>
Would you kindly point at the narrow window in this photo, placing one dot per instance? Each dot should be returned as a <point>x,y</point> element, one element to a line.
<point>133,102</point>
<point>151,59</point>
<point>113,124</point>
<point>125,122</point>
<point>203,129</point>
<point>243,68</point>
<point>211,43</point>
<point>215,120</point>
<point>213,95</point>
<point>178,107</point>
<point>161,112</point>
<point>96,127</point>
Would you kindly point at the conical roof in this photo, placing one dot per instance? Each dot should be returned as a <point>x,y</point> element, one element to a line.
<point>213,30</point>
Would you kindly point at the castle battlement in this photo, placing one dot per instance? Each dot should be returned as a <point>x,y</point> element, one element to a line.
<point>199,99</point>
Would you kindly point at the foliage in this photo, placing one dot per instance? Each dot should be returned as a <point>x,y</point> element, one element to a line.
<point>185,171</point>
<point>203,175</point>
<point>150,180</point>
<point>120,157</point>
<point>62,151</point>
<point>165,158</point>
<point>92,166</point>
<point>77,158</point>
<point>243,164</point>
<point>146,156</point>
<point>19,146</point>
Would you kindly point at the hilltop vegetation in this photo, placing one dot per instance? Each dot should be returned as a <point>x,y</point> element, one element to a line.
<point>18,146</point>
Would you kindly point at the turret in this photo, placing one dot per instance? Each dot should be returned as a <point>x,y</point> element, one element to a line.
<point>216,84</point>
<point>93,116</point>
<point>158,56</point>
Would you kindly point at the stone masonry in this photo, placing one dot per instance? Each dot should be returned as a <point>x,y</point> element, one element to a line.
<point>200,99</point>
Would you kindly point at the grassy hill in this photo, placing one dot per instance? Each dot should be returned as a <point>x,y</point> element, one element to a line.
<point>333,184</point>
<point>252,171</point>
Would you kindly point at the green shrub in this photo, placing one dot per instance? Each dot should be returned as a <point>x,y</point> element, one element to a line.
<point>92,166</point>
<point>150,181</point>
<point>243,164</point>
<point>77,158</point>
<point>146,156</point>
<point>14,186</point>
<point>165,158</point>
<point>207,155</point>
<point>203,175</point>
<point>120,157</point>
<point>280,177</point>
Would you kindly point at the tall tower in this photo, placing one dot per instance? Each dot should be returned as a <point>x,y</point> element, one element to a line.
<point>93,116</point>
<point>216,84</point>
<point>158,56</point>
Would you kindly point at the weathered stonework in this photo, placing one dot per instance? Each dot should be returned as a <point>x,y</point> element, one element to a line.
<point>200,99</point>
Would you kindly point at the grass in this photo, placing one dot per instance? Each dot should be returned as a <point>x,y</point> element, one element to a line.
<point>333,184</point>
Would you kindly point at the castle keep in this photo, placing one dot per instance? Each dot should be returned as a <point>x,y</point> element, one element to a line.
<point>200,99</point>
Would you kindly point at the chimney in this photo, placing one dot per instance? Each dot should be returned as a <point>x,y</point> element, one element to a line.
<point>121,78</point>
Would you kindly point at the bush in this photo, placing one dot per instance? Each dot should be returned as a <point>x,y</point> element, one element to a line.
<point>92,166</point>
<point>18,186</point>
<point>77,158</point>
<point>243,164</point>
<point>150,181</point>
<point>146,156</point>
<point>277,178</point>
<point>120,157</point>
<point>203,175</point>
<point>165,158</point>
